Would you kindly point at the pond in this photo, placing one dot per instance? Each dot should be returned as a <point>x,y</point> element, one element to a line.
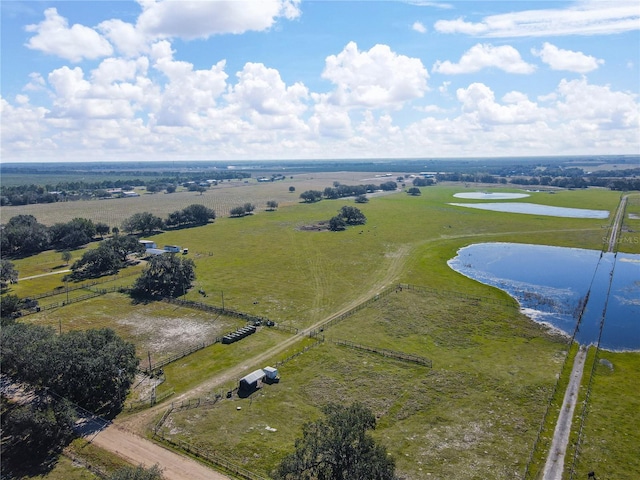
<point>535,209</point>
<point>490,195</point>
<point>551,285</point>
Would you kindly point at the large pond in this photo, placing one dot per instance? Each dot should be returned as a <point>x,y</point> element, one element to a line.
<point>552,283</point>
<point>535,209</point>
<point>490,195</point>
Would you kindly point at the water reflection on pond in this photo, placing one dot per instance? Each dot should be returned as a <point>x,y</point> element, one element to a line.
<point>490,195</point>
<point>535,209</point>
<point>550,283</point>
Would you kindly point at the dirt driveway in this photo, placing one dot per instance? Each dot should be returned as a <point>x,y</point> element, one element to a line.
<point>140,451</point>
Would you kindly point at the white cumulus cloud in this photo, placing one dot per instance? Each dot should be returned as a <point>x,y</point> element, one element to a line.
<point>53,36</point>
<point>201,19</point>
<point>375,78</point>
<point>481,56</point>
<point>559,59</point>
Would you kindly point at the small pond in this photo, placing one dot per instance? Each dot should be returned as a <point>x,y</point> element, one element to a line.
<point>535,209</point>
<point>551,284</point>
<point>490,195</point>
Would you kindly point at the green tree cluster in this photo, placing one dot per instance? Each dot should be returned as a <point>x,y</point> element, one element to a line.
<point>23,235</point>
<point>93,368</point>
<point>347,215</point>
<point>311,196</point>
<point>34,433</point>
<point>166,275</point>
<point>192,215</point>
<point>143,222</point>
<point>242,210</point>
<point>108,258</point>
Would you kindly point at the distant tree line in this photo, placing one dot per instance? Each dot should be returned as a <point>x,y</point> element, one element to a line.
<point>80,189</point>
<point>340,191</point>
<point>573,177</point>
<point>23,235</point>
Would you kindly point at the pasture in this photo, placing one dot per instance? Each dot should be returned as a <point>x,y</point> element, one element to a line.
<point>476,413</point>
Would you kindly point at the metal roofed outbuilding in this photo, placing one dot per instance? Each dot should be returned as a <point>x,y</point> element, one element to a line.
<point>250,382</point>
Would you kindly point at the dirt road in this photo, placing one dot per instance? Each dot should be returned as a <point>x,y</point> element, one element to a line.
<point>138,450</point>
<point>617,224</point>
<point>554,465</point>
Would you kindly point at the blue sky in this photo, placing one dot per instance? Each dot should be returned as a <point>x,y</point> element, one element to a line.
<point>287,79</point>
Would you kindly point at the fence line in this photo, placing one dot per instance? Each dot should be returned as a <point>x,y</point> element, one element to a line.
<point>357,308</point>
<point>51,306</point>
<point>213,458</point>
<point>62,289</point>
<point>177,356</point>
<point>256,319</point>
<point>407,357</point>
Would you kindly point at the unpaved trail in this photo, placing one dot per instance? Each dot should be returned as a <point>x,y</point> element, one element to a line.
<point>45,274</point>
<point>617,224</point>
<point>554,465</point>
<point>140,451</point>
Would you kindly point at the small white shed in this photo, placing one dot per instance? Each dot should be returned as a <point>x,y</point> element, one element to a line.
<point>270,372</point>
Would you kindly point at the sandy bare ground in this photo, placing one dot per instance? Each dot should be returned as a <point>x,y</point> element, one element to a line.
<point>139,451</point>
<point>554,465</point>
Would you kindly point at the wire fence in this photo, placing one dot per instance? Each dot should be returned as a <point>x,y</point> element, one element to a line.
<point>405,357</point>
<point>211,457</point>
<point>255,319</point>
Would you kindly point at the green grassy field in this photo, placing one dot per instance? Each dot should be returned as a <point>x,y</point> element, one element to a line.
<point>475,414</point>
<point>492,373</point>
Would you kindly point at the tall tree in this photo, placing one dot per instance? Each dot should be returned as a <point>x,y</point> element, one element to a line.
<point>352,215</point>
<point>338,447</point>
<point>8,272</point>
<point>23,235</point>
<point>166,275</point>
<point>144,223</point>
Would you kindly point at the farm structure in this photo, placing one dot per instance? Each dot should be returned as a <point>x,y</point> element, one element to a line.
<point>153,250</point>
<point>239,334</point>
<point>252,381</point>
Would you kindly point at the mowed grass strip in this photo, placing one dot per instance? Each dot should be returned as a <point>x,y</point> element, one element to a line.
<point>475,414</point>
<point>611,435</point>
